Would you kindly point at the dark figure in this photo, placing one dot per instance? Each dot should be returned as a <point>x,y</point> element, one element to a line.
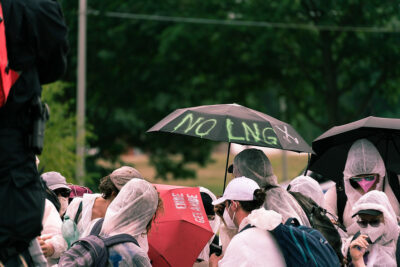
<point>36,37</point>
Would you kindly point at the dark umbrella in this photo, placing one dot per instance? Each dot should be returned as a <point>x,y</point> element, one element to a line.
<point>331,147</point>
<point>233,123</point>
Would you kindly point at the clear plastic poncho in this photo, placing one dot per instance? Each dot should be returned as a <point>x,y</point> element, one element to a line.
<point>383,251</point>
<point>254,164</point>
<point>122,175</point>
<point>205,253</point>
<point>364,158</point>
<point>132,209</point>
<point>308,187</point>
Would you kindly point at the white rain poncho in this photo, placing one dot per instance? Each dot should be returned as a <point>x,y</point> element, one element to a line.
<point>308,187</point>
<point>121,176</point>
<point>255,246</point>
<point>52,228</point>
<point>383,251</point>
<point>204,254</point>
<point>254,164</point>
<point>362,158</point>
<point>85,218</point>
<point>129,213</point>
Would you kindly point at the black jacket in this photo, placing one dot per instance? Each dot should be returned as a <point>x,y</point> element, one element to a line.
<point>36,45</point>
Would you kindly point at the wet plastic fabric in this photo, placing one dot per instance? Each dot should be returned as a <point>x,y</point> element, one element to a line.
<point>205,253</point>
<point>84,221</point>
<point>52,227</point>
<point>254,164</point>
<point>122,175</point>
<point>363,158</point>
<point>308,187</point>
<point>383,252</point>
<point>131,210</point>
<point>255,246</point>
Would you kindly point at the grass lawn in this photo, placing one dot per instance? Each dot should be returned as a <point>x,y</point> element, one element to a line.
<point>212,176</point>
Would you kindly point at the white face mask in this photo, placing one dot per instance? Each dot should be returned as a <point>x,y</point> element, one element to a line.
<point>373,232</point>
<point>64,204</point>
<point>228,221</point>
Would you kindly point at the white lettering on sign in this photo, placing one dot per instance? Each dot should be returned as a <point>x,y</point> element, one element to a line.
<point>194,204</point>
<point>198,217</point>
<point>287,136</point>
<point>179,200</point>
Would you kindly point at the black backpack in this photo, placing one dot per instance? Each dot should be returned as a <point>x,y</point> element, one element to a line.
<point>93,247</point>
<point>318,220</point>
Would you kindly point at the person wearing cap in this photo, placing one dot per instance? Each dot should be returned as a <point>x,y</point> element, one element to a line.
<point>94,206</point>
<point>375,242</point>
<point>254,164</point>
<point>253,245</point>
<point>364,171</point>
<point>58,184</point>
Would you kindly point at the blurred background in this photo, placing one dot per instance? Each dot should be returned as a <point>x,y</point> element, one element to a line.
<point>311,63</point>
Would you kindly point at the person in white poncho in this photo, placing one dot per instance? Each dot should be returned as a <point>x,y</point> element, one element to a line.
<point>377,225</point>
<point>254,246</point>
<point>309,188</point>
<point>254,164</point>
<point>131,212</point>
<point>94,206</point>
<point>364,171</point>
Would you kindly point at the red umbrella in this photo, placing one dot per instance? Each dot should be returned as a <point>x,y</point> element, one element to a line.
<point>182,230</point>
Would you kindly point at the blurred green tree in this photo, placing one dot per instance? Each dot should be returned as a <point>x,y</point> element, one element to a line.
<point>141,70</point>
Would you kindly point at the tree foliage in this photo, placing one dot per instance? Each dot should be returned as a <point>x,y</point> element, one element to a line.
<point>141,70</point>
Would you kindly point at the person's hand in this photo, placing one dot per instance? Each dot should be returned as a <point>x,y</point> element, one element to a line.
<point>214,259</point>
<point>47,248</point>
<point>358,248</point>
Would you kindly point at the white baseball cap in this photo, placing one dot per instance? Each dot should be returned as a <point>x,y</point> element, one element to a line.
<point>241,188</point>
<point>55,180</point>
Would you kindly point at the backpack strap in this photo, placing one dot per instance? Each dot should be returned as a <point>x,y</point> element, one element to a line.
<point>246,227</point>
<point>118,239</point>
<point>97,227</point>
<point>394,184</point>
<point>341,199</point>
<point>292,222</point>
<point>78,212</point>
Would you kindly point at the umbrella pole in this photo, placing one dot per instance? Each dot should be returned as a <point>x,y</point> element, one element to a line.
<point>226,166</point>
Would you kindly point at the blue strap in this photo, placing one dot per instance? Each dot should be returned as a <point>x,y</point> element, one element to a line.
<point>308,249</point>
<point>297,244</point>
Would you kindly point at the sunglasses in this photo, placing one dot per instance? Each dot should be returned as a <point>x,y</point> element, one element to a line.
<point>366,178</point>
<point>373,223</point>
<point>62,192</point>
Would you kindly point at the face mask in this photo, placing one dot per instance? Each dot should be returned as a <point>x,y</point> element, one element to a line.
<point>64,205</point>
<point>365,184</point>
<point>228,221</point>
<point>373,232</point>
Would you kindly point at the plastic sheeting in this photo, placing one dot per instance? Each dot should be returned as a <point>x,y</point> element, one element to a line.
<point>308,187</point>
<point>122,175</point>
<point>131,210</point>
<point>254,164</point>
<point>383,251</point>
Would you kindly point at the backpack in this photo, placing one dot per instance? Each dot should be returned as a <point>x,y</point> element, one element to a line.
<point>341,197</point>
<point>93,248</point>
<point>302,246</point>
<point>7,76</point>
<point>319,221</point>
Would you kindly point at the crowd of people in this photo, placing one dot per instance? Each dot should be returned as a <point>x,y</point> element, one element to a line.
<point>248,222</point>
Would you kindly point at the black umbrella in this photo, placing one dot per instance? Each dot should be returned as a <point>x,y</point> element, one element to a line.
<point>331,147</point>
<point>233,123</point>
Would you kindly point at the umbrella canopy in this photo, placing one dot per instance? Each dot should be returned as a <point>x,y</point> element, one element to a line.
<point>233,123</point>
<point>331,147</point>
<point>181,232</point>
